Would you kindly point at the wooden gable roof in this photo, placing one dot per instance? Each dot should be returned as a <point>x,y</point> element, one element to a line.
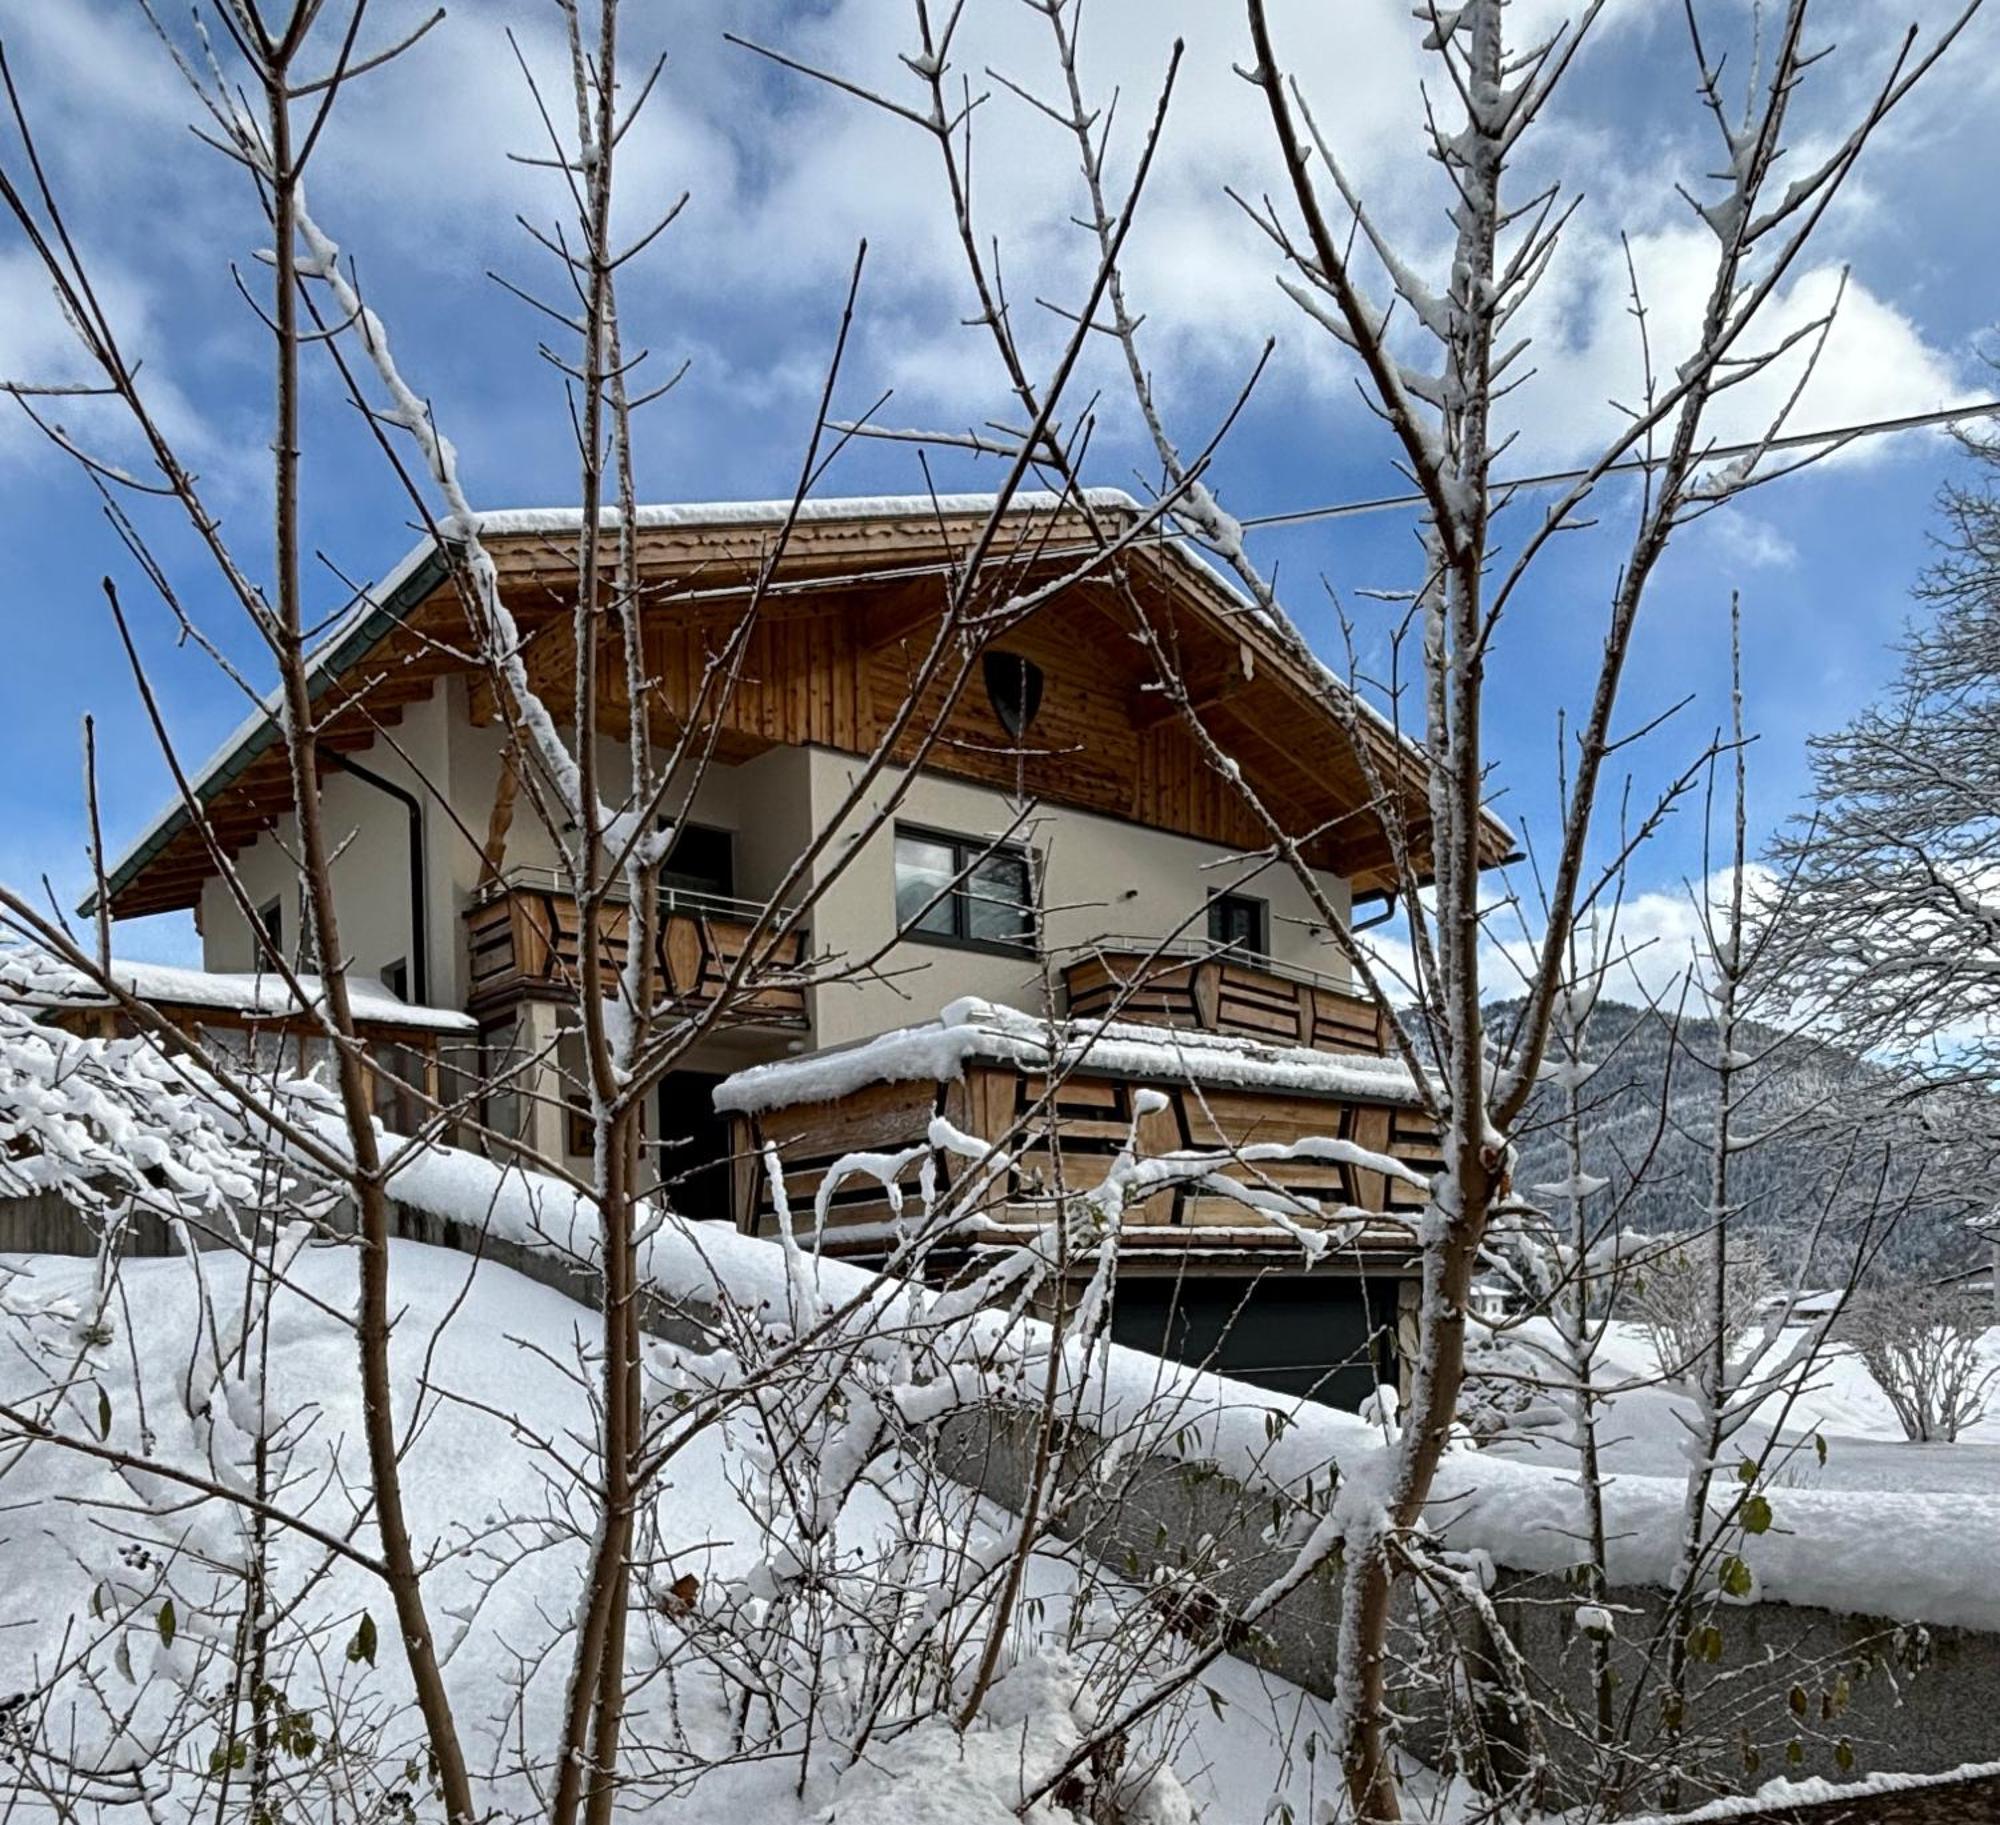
<point>829,658</point>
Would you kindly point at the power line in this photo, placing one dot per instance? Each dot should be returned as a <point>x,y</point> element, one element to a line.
<point>1795,440</point>
<point>1343,510</point>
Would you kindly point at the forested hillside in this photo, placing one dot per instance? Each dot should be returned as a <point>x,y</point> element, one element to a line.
<point>1824,1119</point>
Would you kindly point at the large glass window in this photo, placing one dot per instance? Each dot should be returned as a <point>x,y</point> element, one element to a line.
<point>1238,921</point>
<point>961,888</point>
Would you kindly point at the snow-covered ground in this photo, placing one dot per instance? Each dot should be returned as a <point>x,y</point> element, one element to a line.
<point>1643,1430</point>
<point>495,1354</point>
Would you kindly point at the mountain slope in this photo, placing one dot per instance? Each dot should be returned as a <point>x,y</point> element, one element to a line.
<point>1819,1124</point>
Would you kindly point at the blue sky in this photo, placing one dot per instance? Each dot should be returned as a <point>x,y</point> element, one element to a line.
<point>784,178</point>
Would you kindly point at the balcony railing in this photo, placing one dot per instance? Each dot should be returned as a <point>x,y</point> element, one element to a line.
<point>526,938</point>
<point>1215,989</point>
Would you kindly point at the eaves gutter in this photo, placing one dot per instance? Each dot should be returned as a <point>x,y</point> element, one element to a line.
<point>412,580</point>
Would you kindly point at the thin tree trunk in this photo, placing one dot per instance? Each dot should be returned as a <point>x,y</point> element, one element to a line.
<point>371,1195</point>
<point>1712,1388</point>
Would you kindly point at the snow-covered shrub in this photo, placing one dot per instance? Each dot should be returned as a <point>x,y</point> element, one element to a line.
<point>115,1125</point>
<point>1671,1293</point>
<point>1505,1389</point>
<point>1923,1345</point>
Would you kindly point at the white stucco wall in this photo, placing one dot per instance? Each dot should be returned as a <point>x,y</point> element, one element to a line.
<point>1099,877</point>
<point>369,834</point>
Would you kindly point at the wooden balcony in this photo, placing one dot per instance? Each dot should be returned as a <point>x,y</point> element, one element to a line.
<point>526,940</point>
<point>1213,991</point>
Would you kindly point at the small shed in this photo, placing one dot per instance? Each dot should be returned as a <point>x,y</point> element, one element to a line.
<point>417,1056</point>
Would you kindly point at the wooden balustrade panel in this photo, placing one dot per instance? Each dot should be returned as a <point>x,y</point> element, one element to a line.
<point>489,942</point>
<point>1070,1146</point>
<point>529,942</point>
<point>811,1137</point>
<point>1259,1004</point>
<point>683,959</point>
<point>1160,991</point>
<point>1076,1143</point>
<point>1346,1023</point>
<point>1414,1140</point>
<point>1217,995</point>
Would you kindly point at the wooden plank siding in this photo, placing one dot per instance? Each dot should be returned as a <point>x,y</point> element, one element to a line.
<point>829,661</point>
<point>528,941</point>
<point>1070,1146</point>
<point>838,676</point>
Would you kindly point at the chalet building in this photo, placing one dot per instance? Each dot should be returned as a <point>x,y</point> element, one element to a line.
<point>1114,940</point>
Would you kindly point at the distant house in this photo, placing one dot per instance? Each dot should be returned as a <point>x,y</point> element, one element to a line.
<point>1121,893</point>
<point>1976,1286</point>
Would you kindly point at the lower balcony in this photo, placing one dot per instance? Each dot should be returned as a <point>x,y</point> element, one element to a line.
<point>525,940</point>
<point>1207,990</point>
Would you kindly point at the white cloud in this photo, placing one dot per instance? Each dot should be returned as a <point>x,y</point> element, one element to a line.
<point>39,348</point>
<point>1651,948</point>
<point>1737,536</point>
<point>1876,362</point>
<point>788,176</point>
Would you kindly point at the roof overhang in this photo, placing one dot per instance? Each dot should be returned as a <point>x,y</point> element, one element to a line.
<point>829,538</point>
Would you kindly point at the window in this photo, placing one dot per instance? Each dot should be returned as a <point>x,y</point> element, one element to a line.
<point>964,891</point>
<point>271,922</point>
<point>702,861</point>
<point>1238,921</point>
<point>396,978</point>
<point>1014,689</point>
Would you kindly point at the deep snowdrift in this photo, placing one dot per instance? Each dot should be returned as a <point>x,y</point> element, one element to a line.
<point>484,1361</point>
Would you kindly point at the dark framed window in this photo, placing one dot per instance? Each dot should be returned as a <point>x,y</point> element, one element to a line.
<point>271,922</point>
<point>959,890</point>
<point>703,861</point>
<point>396,978</point>
<point>1014,689</point>
<point>1240,921</point>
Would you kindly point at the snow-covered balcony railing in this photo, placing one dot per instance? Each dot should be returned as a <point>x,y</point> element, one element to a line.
<point>1214,988</point>
<point>524,937</point>
<point>988,1070</point>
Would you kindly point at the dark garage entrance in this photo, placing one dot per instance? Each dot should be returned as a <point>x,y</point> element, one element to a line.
<point>1329,1337</point>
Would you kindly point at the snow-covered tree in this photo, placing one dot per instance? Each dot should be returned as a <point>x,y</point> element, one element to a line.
<point>1437,346</point>
<point>1894,927</point>
<point>1670,1292</point>
<point>825,1656</point>
<point>863,1644</point>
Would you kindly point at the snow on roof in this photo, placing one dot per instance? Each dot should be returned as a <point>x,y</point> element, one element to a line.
<point>774,512</point>
<point>937,1051</point>
<point>36,979</point>
<point>383,596</point>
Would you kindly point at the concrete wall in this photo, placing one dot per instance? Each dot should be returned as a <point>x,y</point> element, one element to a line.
<point>1898,1697</point>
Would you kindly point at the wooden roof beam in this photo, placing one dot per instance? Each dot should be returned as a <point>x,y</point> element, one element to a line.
<point>1150,708</point>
